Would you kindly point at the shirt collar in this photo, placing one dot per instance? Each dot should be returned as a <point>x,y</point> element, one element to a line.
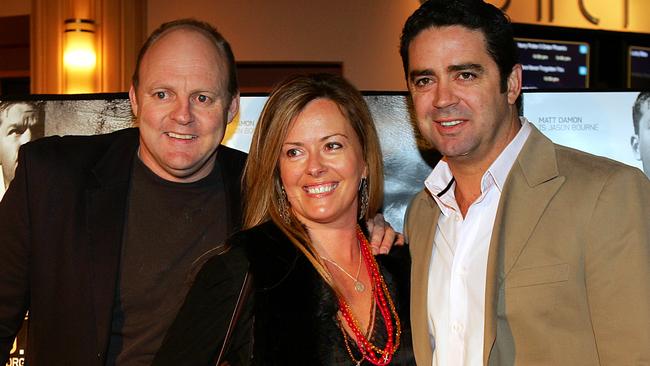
<point>441,177</point>
<point>500,168</point>
<point>440,184</point>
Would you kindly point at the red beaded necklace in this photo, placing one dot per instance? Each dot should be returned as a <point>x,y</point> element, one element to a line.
<point>381,296</point>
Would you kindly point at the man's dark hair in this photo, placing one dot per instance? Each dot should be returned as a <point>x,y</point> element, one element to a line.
<point>202,27</point>
<point>5,104</point>
<point>35,104</point>
<point>637,113</point>
<point>471,14</point>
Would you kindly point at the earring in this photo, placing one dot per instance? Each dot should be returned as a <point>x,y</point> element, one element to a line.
<point>283,207</point>
<point>363,198</point>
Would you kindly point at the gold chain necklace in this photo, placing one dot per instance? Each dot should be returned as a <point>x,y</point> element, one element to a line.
<point>358,285</point>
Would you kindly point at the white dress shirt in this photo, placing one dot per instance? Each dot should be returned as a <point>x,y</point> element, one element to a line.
<point>456,291</point>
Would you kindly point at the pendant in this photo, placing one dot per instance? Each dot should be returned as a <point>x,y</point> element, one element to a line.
<point>358,286</point>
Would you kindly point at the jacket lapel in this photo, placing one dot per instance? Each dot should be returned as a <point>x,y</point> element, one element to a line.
<point>231,163</point>
<point>425,215</point>
<point>106,201</point>
<point>533,181</point>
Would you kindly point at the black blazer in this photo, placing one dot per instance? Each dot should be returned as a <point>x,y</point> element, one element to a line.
<point>61,226</point>
<point>291,312</point>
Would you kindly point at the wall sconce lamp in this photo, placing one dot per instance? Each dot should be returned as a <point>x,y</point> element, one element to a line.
<point>79,56</point>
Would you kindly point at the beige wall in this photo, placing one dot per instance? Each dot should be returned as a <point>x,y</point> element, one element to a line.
<point>15,7</point>
<point>363,34</point>
<point>611,14</point>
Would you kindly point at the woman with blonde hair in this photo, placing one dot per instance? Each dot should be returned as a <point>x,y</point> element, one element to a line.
<point>313,177</point>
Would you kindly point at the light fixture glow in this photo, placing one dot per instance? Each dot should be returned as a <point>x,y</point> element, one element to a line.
<point>79,52</point>
<point>79,57</point>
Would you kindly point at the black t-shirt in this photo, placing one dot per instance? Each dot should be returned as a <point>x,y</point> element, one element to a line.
<point>170,228</point>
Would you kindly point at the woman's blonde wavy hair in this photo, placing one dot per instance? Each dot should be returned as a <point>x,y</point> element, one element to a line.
<point>261,180</point>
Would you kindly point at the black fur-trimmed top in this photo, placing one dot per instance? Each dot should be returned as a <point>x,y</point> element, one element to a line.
<point>289,317</point>
<point>295,310</point>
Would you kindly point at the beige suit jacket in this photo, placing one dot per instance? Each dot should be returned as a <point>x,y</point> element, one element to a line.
<point>568,278</point>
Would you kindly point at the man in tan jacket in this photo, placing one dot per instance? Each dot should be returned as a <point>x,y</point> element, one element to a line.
<point>524,252</point>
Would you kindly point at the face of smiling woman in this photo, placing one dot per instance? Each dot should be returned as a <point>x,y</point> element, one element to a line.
<point>321,165</point>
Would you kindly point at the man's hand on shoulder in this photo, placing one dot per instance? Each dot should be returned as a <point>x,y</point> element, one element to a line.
<point>382,235</point>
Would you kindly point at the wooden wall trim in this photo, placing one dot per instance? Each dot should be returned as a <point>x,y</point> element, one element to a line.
<point>120,31</point>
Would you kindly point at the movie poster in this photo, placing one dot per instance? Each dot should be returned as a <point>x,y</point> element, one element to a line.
<point>20,122</point>
<point>596,122</point>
